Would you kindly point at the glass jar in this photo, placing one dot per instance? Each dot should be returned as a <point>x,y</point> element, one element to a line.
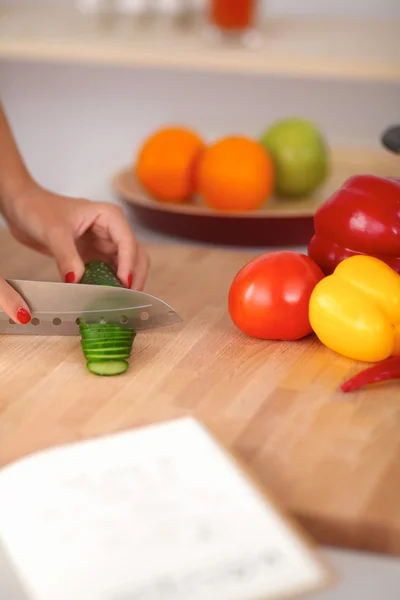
<point>234,19</point>
<point>233,15</point>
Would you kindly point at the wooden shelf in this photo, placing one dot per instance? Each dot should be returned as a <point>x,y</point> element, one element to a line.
<point>361,50</point>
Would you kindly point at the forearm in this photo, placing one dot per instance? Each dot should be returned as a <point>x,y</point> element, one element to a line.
<point>14,176</point>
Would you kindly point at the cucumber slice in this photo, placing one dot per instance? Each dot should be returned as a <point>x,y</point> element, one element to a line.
<point>126,341</point>
<point>108,368</point>
<point>112,348</point>
<point>108,351</point>
<point>110,332</point>
<point>96,357</point>
<point>106,335</point>
<point>118,343</point>
<point>99,273</point>
<point>104,327</point>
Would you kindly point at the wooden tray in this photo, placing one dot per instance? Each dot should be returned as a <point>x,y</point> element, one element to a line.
<point>282,222</point>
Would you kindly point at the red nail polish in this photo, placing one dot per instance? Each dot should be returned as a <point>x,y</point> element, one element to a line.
<point>130,280</point>
<point>23,316</point>
<point>70,277</point>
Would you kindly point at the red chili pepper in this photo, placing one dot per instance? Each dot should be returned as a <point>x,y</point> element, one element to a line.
<point>362,217</point>
<point>382,371</point>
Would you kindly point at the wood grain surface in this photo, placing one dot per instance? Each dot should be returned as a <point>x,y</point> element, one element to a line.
<point>331,459</point>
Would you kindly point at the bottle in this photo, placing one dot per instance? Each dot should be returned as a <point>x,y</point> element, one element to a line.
<point>233,16</point>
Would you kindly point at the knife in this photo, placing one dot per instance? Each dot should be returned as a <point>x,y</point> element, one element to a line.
<point>56,307</point>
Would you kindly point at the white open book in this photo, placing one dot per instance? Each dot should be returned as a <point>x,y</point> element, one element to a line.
<point>159,513</point>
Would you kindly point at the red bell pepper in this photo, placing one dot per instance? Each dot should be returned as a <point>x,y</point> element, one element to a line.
<point>362,217</point>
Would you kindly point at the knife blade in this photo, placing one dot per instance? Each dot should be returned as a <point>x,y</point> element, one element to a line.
<point>56,307</point>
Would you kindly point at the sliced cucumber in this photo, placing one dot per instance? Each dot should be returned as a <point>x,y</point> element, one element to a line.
<point>95,333</point>
<point>100,334</point>
<point>107,351</point>
<point>96,357</point>
<point>108,368</point>
<point>106,335</point>
<point>105,345</point>
<point>105,327</point>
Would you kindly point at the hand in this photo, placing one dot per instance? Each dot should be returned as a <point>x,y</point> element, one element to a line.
<point>12,304</point>
<point>73,231</point>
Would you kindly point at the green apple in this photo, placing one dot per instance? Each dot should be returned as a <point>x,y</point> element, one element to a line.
<point>300,156</point>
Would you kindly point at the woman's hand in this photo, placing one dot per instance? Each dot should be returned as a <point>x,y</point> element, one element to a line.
<point>12,304</point>
<point>73,231</point>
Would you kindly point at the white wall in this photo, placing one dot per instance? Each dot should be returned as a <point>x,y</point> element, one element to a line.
<point>75,124</point>
<point>373,8</point>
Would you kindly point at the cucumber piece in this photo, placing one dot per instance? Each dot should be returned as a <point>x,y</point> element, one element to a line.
<point>99,273</point>
<point>108,368</point>
<point>106,335</point>
<point>86,345</point>
<point>98,328</point>
<point>102,358</point>
<point>119,352</point>
<point>105,345</point>
<point>103,339</point>
<point>108,351</point>
<point>103,327</point>
<point>96,357</point>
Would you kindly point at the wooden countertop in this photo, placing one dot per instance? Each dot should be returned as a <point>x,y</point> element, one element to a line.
<point>333,460</point>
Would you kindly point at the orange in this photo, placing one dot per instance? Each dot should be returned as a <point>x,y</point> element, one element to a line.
<point>166,164</point>
<point>235,173</point>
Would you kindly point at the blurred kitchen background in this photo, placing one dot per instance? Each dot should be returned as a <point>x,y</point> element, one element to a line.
<point>80,117</point>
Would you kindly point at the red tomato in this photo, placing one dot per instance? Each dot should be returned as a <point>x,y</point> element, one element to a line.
<point>269,297</point>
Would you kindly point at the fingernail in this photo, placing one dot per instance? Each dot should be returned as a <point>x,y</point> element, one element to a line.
<point>130,280</point>
<point>23,316</point>
<point>70,277</point>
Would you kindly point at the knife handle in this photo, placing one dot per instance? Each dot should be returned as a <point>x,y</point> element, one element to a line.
<point>390,139</point>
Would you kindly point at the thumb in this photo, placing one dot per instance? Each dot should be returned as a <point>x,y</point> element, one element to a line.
<point>13,305</point>
<point>66,255</point>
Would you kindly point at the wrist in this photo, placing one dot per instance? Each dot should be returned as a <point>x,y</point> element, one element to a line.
<point>13,191</point>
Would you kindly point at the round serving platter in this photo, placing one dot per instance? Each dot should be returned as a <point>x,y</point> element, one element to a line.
<point>281,222</point>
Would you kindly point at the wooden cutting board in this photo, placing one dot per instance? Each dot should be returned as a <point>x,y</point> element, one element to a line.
<point>332,459</point>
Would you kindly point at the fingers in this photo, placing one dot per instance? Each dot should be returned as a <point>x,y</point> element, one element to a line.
<point>140,269</point>
<point>13,305</point>
<point>112,236</point>
<point>63,248</point>
<point>127,247</point>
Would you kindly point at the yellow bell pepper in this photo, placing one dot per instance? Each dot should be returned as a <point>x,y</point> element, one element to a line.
<point>356,310</point>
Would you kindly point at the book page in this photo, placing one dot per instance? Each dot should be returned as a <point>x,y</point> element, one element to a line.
<point>159,513</point>
<point>10,584</point>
